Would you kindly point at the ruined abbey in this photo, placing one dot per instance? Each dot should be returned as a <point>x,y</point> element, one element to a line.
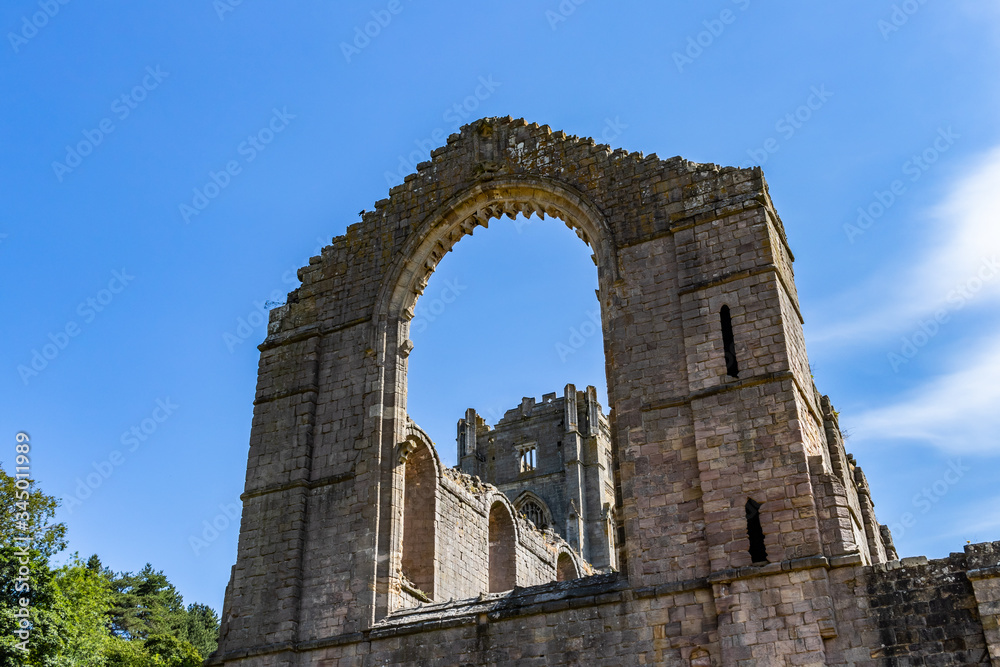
<point>708,515</point>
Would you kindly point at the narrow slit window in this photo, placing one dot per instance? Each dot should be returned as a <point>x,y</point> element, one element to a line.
<point>729,343</point>
<point>758,554</point>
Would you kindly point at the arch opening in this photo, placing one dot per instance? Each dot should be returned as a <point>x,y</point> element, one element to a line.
<point>477,207</point>
<point>514,312</point>
<point>503,554</point>
<point>565,568</point>
<point>419,518</point>
<point>396,320</point>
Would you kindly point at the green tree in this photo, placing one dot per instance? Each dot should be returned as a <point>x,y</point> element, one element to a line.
<point>202,628</point>
<point>145,604</point>
<point>120,652</point>
<point>171,651</point>
<point>28,511</point>
<point>83,614</point>
<point>28,538</point>
<point>76,618</point>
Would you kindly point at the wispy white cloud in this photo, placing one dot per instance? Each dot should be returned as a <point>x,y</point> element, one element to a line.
<point>958,412</point>
<point>983,525</point>
<point>958,267</point>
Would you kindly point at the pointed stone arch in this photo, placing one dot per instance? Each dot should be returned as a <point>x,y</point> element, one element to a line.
<point>433,233</point>
<point>477,206</point>
<point>670,239</point>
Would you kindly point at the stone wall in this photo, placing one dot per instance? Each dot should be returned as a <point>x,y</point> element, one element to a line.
<point>914,611</point>
<point>815,612</point>
<point>463,540</point>
<point>318,578</point>
<point>572,477</point>
<point>464,543</point>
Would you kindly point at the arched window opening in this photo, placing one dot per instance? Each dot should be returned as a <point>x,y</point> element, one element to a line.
<point>566,568</point>
<point>471,346</point>
<point>502,549</point>
<point>758,554</point>
<point>419,503</point>
<point>528,459</point>
<point>729,343</point>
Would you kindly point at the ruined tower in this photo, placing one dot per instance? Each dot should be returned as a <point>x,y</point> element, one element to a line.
<point>553,460</point>
<point>745,534</point>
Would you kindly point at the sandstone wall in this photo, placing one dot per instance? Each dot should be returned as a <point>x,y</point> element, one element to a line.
<point>318,578</point>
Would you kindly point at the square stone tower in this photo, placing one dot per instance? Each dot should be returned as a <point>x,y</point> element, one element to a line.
<point>553,460</point>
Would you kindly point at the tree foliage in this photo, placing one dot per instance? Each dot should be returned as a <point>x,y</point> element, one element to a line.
<point>146,604</point>
<point>202,628</point>
<point>83,614</point>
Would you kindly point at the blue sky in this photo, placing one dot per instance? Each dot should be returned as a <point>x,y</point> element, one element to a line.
<point>166,169</point>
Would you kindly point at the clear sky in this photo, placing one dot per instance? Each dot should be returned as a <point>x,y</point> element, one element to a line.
<point>166,167</point>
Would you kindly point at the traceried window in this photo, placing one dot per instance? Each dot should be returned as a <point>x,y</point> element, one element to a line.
<point>534,513</point>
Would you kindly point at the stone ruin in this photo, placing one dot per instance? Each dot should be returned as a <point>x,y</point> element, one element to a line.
<point>716,518</point>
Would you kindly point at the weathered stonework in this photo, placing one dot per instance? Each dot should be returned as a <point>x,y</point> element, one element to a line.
<point>567,485</point>
<point>746,534</point>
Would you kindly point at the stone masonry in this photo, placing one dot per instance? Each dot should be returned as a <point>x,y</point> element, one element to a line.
<point>743,532</point>
<point>567,484</point>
